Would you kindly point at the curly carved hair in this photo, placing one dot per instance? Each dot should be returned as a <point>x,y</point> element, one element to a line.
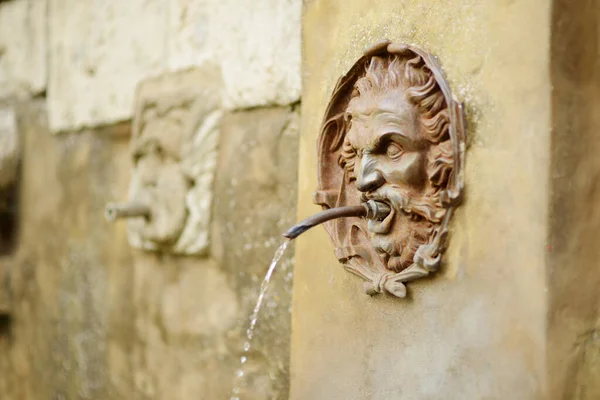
<point>422,90</point>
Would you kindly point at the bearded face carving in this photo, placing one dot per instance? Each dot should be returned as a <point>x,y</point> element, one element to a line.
<point>174,143</point>
<point>392,133</point>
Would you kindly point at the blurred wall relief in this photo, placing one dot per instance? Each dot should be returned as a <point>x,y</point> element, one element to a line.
<point>9,151</point>
<point>10,160</point>
<point>174,154</point>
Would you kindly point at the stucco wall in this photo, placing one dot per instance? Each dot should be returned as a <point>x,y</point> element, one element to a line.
<point>513,313</point>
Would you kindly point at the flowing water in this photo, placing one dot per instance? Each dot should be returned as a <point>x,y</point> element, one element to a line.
<point>254,319</point>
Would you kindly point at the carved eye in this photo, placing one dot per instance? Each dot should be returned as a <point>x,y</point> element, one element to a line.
<point>393,150</point>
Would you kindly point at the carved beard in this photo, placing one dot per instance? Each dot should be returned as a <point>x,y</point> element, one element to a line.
<point>409,226</point>
<point>397,249</point>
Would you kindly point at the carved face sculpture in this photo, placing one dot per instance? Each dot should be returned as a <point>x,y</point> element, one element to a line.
<point>388,148</point>
<point>174,143</point>
<point>397,145</point>
<point>158,172</point>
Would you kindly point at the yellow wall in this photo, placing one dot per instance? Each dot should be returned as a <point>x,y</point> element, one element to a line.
<point>477,330</point>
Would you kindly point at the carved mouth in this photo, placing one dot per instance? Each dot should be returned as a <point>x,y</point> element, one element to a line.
<point>382,226</point>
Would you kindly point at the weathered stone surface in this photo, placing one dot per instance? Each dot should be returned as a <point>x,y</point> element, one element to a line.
<point>98,52</point>
<point>254,204</point>
<point>174,148</point>
<point>190,37</point>
<point>255,43</point>
<point>10,159</point>
<point>9,146</point>
<point>23,45</point>
<point>180,311</point>
<point>94,318</point>
<point>69,281</point>
<point>178,333</point>
<point>191,314</point>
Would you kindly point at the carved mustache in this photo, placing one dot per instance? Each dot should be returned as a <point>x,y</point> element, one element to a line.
<point>415,208</point>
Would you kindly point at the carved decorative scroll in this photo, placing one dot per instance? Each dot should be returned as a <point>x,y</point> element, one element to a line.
<point>392,132</point>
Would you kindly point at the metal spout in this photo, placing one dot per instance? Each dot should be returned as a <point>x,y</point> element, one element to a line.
<point>371,209</point>
<point>126,210</point>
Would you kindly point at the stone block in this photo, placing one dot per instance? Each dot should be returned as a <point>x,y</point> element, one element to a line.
<point>256,42</point>
<point>174,144</point>
<point>189,24</point>
<point>107,48</point>
<point>260,43</point>
<point>98,52</point>
<point>23,45</point>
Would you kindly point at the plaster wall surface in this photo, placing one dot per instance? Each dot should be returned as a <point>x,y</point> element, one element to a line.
<point>478,329</point>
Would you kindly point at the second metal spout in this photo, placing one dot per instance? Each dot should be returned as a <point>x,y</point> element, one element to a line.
<point>371,209</point>
<point>126,210</point>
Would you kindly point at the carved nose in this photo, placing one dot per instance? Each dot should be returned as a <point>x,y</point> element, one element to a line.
<point>369,177</point>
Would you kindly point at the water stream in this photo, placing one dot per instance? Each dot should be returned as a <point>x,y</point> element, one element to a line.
<point>239,375</point>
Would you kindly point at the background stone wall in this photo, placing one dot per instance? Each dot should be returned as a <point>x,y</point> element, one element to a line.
<point>83,315</point>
